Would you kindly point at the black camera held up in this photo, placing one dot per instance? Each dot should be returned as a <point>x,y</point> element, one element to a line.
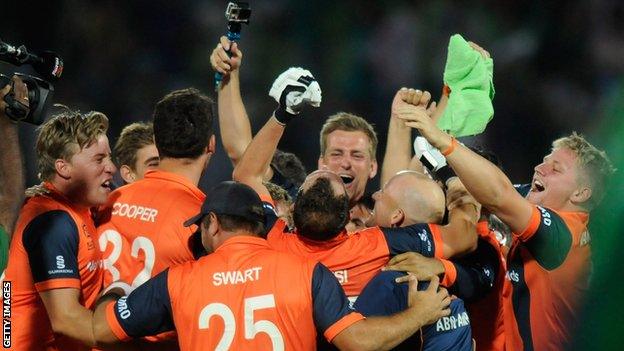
<point>40,91</point>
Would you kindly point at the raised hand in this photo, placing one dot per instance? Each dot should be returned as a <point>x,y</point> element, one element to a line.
<point>432,304</point>
<point>223,62</point>
<point>424,268</point>
<point>294,89</point>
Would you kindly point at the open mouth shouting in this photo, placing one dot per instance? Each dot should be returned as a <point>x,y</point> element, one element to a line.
<point>107,185</point>
<point>537,186</point>
<point>347,179</point>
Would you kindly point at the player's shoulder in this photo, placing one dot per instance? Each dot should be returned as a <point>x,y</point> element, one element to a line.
<point>367,235</point>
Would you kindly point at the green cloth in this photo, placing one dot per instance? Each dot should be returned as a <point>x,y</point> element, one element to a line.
<point>469,76</point>
<point>4,248</point>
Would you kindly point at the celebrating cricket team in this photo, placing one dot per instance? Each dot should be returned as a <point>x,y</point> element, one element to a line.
<point>118,247</point>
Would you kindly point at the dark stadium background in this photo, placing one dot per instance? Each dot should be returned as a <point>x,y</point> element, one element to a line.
<point>558,67</point>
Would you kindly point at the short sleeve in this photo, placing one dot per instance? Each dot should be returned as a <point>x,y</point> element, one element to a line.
<point>332,313</point>
<point>270,214</point>
<point>422,238</point>
<point>547,237</point>
<point>146,311</point>
<point>51,242</point>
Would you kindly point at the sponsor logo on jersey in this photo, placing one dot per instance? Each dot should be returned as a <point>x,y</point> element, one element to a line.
<point>458,320</point>
<point>513,276</point>
<point>585,238</point>
<point>424,237</point>
<point>545,216</point>
<point>60,262</point>
<point>342,276</point>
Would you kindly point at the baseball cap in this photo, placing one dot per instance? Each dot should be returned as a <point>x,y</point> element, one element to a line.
<point>231,198</point>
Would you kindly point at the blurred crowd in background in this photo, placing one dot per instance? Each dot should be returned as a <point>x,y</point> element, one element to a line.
<point>558,67</point>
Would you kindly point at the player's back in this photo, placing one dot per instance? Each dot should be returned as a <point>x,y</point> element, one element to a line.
<point>354,259</point>
<point>244,296</point>
<point>141,232</point>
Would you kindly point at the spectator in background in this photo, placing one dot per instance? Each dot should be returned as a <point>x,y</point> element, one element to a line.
<point>135,151</point>
<point>11,170</point>
<point>54,265</point>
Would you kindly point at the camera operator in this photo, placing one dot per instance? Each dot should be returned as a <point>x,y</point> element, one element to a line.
<point>11,170</point>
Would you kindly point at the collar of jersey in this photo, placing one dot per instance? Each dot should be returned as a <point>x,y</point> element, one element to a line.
<point>172,177</point>
<point>233,242</point>
<point>58,196</point>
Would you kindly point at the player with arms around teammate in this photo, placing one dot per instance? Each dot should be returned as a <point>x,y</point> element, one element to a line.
<point>247,296</point>
<point>548,265</point>
<point>54,264</point>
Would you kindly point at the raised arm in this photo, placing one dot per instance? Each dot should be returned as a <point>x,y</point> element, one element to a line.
<point>250,170</point>
<point>293,89</point>
<point>11,170</point>
<point>233,121</point>
<point>398,156</point>
<point>486,182</point>
<point>460,236</point>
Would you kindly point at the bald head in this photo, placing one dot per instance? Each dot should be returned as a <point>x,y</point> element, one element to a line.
<point>408,198</point>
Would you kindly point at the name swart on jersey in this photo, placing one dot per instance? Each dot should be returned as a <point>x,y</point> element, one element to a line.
<point>342,276</point>
<point>141,213</point>
<point>236,277</point>
<point>459,320</point>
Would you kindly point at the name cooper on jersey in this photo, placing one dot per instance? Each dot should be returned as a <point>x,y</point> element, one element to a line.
<point>145,214</point>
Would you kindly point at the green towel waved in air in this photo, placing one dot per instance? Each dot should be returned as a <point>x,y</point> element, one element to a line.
<point>469,76</point>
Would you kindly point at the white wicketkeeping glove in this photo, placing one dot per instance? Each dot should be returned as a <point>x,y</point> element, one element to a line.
<point>428,155</point>
<point>294,89</point>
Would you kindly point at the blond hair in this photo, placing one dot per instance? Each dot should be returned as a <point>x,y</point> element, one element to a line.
<point>594,164</point>
<point>64,135</point>
<point>132,138</point>
<point>350,123</point>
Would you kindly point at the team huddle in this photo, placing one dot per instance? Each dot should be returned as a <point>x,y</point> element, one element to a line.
<point>447,255</point>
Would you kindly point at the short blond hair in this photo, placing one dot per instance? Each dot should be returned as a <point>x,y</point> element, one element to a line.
<point>64,135</point>
<point>594,163</point>
<point>350,123</point>
<point>132,138</point>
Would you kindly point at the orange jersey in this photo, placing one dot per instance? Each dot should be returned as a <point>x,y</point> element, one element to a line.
<point>357,257</point>
<point>547,277</point>
<point>244,296</point>
<point>141,232</point>
<point>53,248</point>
